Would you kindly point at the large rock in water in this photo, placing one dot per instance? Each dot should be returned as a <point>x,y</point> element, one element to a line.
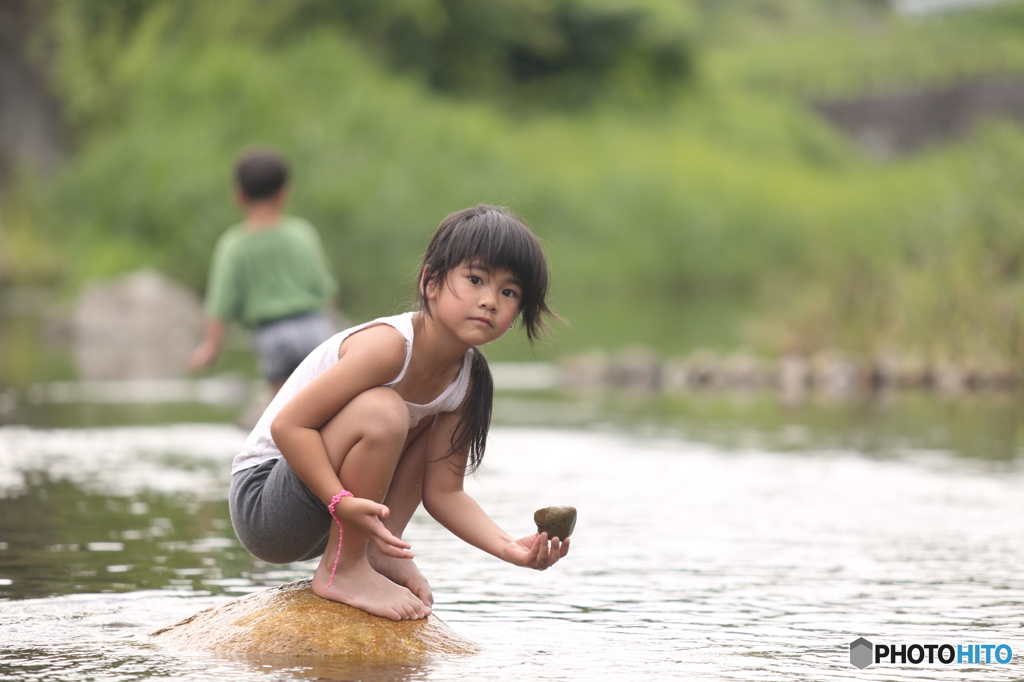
<point>142,325</point>
<point>291,620</point>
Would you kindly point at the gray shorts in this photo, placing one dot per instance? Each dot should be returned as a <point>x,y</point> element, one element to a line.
<point>282,344</point>
<point>275,515</point>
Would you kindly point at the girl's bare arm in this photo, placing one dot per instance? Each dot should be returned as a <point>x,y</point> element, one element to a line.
<point>369,358</point>
<point>445,499</point>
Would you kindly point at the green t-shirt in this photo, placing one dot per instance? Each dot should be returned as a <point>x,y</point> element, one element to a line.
<point>270,274</point>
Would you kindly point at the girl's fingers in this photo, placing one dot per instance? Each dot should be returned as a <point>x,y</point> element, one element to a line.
<point>559,548</point>
<point>384,535</point>
<point>399,549</point>
<point>553,554</point>
<point>550,553</point>
<point>388,550</point>
<point>540,550</point>
<point>385,538</point>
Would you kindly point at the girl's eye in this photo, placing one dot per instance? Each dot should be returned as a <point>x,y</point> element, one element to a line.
<point>510,293</point>
<point>473,279</point>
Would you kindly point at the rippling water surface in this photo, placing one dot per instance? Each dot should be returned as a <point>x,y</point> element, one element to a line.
<point>689,561</point>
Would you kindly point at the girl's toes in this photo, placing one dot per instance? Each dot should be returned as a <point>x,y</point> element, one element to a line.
<point>418,610</point>
<point>409,611</point>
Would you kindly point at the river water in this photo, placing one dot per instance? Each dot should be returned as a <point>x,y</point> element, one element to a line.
<point>694,557</point>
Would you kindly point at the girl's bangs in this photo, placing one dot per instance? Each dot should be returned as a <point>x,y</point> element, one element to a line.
<point>501,245</point>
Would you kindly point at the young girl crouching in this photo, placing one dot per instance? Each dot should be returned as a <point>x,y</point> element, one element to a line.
<point>388,414</point>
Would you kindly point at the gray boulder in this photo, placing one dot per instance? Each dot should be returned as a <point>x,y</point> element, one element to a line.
<point>142,325</point>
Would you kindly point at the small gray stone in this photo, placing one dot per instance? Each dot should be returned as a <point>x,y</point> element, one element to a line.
<point>557,522</point>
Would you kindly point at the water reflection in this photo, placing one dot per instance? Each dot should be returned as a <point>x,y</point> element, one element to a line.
<point>983,427</point>
<point>336,668</point>
<point>62,539</point>
<point>117,510</point>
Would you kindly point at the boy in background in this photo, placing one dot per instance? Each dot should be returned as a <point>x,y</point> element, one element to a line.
<point>268,273</point>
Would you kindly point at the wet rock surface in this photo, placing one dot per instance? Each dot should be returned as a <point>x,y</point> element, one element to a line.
<point>291,620</point>
<point>557,522</point>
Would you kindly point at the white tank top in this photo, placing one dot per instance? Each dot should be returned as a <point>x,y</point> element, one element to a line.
<point>260,447</point>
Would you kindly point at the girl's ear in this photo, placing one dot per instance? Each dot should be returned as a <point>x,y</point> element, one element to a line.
<point>428,286</point>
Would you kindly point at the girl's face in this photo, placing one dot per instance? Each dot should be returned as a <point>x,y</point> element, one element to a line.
<point>477,303</point>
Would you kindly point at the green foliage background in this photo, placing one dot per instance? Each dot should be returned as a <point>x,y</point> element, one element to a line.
<point>663,150</point>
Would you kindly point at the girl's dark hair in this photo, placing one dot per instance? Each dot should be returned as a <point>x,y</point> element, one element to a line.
<point>497,239</point>
<point>260,173</point>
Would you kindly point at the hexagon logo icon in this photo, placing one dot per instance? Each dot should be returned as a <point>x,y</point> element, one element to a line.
<point>861,653</point>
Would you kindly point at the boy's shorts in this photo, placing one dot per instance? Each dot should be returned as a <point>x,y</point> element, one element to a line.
<point>282,344</point>
<point>275,515</point>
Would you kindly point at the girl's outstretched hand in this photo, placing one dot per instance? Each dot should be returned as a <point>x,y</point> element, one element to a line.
<point>534,551</point>
<point>364,516</point>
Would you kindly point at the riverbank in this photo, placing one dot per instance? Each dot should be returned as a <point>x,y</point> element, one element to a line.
<point>832,373</point>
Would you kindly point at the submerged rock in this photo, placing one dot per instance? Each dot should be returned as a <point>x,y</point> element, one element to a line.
<point>557,522</point>
<point>291,620</point>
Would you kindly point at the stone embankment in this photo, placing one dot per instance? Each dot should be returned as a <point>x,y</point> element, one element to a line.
<point>906,120</point>
<point>638,368</point>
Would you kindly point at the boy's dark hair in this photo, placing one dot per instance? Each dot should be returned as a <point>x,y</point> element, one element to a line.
<point>498,239</point>
<point>260,173</point>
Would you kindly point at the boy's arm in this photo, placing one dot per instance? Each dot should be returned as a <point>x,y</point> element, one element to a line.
<point>222,303</point>
<point>208,349</point>
<point>445,499</point>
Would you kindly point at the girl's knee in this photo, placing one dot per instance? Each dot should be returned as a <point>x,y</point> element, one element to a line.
<point>377,416</point>
<point>381,413</point>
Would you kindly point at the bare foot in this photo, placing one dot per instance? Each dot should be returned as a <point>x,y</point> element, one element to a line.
<point>405,572</point>
<point>362,587</point>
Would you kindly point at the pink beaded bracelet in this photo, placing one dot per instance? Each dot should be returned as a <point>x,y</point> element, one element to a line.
<point>334,502</point>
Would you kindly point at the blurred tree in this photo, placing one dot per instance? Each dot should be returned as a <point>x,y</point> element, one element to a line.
<point>30,127</point>
<point>546,52</point>
<point>560,52</point>
<point>732,192</point>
